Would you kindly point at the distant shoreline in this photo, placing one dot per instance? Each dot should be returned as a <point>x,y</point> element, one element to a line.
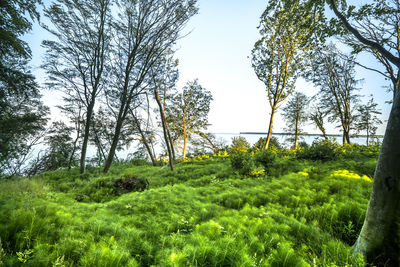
<point>304,134</point>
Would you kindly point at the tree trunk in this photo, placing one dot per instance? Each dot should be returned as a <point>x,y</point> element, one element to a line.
<point>184,142</point>
<point>347,135</point>
<point>114,144</point>
<point>271,120</point>
<point>379,237</point>
<point>164,126</point>
<point>296,132</point>
<point>86,136</point>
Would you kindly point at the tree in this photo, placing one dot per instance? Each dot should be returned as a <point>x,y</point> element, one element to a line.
<point>334,73</point>
<point>76,61</point>
<point>295,113</point>
<point>188,112</point>
<point>367,118</point>
<point>287,30</point>
<point>317,117</point>
<point>379,237</point>
<point>144,31</point>
<point>22,114</point>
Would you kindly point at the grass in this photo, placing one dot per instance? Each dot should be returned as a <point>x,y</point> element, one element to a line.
<point>301,213</point>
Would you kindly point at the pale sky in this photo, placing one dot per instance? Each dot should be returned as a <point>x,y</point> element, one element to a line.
<point>217,51</point>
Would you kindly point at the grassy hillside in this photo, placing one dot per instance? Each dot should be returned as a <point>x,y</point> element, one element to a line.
<point>296,212</point>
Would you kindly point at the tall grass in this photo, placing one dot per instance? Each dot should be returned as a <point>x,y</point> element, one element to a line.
<point>300,213</point>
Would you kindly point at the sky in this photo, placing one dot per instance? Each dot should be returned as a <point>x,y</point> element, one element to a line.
<point>216,49</point>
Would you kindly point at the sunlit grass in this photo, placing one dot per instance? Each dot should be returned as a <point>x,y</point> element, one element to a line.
<point>301,213</point>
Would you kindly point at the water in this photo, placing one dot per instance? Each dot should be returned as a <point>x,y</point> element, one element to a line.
<point>283,138</point>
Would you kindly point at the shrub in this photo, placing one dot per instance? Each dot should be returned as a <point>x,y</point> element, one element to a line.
<point>319,150</point>
<point>243,163</point>
<point>239,145</point>
<point>265,157</point>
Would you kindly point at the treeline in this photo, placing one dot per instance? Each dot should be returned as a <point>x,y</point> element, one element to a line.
<point>114,63</point>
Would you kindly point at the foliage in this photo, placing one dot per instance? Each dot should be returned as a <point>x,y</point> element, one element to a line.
<point>367,118</point>
<point>273,144</point>
<point>333,72</point>
<point>266,158</point>
<point>239,145</point>
<point>323,150</point>
<point>59,153</point>
<point>22,114</point>
<point>244,163</point>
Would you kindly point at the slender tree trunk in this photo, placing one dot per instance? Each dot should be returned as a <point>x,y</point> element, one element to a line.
<point>184,142</point>
<point>86,136</point>
<point>296,132</point>
<point>379,237</point>
<point>367,136</point>
<point>164,126</point>
<point>271,121</point>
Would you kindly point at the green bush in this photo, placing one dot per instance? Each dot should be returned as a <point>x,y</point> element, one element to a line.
<point>244,163</point>
<point>322,150</point>
<point>265,157</point>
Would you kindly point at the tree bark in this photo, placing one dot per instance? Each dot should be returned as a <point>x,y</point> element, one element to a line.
<point>86,136</point>
<point>379,237</point>
<point>184,142</point>
<point>296,132</point>
<point>271,121</point>
<point>113,147</point>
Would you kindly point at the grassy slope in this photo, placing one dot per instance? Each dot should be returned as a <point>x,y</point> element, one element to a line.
<point>204,214</point>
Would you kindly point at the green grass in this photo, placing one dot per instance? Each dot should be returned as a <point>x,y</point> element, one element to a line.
<point>303,213</point>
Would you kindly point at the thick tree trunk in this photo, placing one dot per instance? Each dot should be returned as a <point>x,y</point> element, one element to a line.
<point>271,121</point>
<point>114,145</point>
<point>379,238</point>
<point>86,136</point>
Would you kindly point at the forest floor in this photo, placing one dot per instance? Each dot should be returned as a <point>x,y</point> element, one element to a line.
<point>298,213</point>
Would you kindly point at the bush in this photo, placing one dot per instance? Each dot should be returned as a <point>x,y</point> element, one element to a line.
<point>243,163</point>
<point>266,158</point>
<point>319,150</point>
